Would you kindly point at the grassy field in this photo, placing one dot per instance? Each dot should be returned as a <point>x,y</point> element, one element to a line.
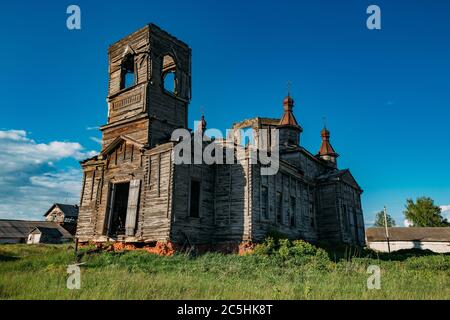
<point>284,272</point>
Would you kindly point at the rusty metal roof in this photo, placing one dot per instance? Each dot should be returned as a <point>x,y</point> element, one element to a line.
<point>288,118</point>
<point>326,149</point>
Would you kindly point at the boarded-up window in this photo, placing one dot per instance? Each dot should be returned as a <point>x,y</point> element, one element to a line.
<point>292,211</point>
<point>345,217</point>
<point>312,214</point>
<point>279,207</point>
<point>265,202</point>
<point>194,207</point>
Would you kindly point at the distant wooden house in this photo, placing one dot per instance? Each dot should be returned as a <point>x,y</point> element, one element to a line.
<point>19,231</point>
<point>48,234</point>
<point>65,215</point>
<point>434,239</point>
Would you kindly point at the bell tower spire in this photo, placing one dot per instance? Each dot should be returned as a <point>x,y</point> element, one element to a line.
<point>326,151</point>
<point>288,126</point>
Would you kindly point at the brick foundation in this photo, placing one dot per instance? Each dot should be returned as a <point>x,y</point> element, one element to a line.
<point>170,248</point>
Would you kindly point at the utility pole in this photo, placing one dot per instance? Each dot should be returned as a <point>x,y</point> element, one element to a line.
<point>386,228</point>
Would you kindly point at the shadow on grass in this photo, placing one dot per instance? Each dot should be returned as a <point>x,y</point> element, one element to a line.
<point>6,258</point>
<point>340,253</point>
<point>402,255</point>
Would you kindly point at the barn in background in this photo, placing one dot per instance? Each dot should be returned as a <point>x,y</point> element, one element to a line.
<point>435,239</point>
<point>19,231</point>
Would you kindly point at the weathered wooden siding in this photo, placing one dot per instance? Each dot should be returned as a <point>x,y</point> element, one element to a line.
<point>329,219</point>
<point>157,200</point>
<point>185,228</point>
<point>137,130</point>
<point>138,43</point>
<point>147,99</point>
<point>352,222</point>
<point>293,187</point>
<point>233,201</point>
<point>168,109</point>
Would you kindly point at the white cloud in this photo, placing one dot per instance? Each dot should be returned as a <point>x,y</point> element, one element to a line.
<point>446,211</point>
<point>30,199</point>
<point>15,135</point>
<point>407,223</point>
<point>20,152</point>
<point>30,179</point>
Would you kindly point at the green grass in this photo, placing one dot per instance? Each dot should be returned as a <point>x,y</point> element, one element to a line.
<point>39,272</point>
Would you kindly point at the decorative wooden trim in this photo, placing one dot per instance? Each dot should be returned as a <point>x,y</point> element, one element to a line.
<point>92,185</point>
<point>169,185</point>
<point>158,177</point>
<point>82,189</point>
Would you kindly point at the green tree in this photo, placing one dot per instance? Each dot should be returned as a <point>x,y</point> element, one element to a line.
<point>379,220</point>
<point>424,213</point>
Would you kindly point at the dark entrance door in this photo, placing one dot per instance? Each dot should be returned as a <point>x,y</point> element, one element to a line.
<point>118,209</point>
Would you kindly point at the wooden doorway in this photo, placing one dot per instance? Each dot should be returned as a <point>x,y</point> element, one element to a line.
<point>118,209</point>
<point>122,209</point>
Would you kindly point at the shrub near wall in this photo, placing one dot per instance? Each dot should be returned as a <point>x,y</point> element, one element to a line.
<point>297,252</point>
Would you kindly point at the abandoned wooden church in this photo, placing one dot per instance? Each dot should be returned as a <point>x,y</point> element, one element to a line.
<point>133,192</point>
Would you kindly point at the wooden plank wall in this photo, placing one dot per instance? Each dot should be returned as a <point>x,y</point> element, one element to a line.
<point>185,228</point>
<point>156,207</point>
<point>291,186</point>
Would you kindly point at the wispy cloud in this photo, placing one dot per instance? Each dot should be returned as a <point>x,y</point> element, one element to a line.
<point>95,139</point>
<point>30,179</point>
<point>92,128</point>
<point>390,103</point>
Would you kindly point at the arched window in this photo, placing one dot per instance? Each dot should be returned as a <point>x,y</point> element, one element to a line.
<point>128,77</point>
<point>169,78</point>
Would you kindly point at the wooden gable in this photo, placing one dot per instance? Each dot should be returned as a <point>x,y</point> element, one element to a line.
<point>348,178</point>
<point>122,150</point>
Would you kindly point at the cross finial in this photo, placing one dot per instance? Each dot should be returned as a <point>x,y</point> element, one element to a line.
<point>324,118</point>
<point>202,110</point>
<point>289,85</point>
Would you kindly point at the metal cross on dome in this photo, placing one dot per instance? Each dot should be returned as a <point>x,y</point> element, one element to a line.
<point>289,85</point>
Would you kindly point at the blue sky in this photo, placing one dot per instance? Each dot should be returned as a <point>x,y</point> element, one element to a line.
<point>385,93</point>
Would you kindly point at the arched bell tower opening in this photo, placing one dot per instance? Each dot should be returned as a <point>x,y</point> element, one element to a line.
<point>169,75</point>
<point>127,76</point>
